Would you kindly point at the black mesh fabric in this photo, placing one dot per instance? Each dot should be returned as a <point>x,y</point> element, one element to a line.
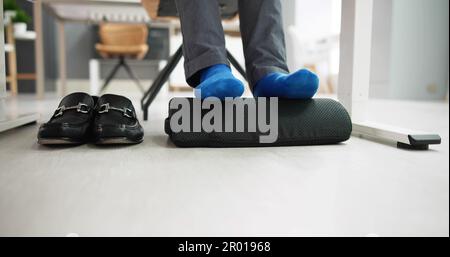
<point>300,122</point>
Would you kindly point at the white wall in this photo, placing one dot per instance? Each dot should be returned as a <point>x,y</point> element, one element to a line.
<point>410,49</point>
<point>420,53</point>
<point>381,49</point>
<point>314,20</point>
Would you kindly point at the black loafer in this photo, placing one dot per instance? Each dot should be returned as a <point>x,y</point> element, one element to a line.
<point>71,122</point>
<point>116,122</point>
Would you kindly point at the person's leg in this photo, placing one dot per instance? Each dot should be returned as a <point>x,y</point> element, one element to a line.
<point>206,65</point>
<point>265,53</point>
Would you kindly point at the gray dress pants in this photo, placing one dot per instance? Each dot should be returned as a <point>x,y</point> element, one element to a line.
<point>204,41</point>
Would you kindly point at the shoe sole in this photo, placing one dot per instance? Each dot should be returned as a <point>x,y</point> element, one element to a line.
<point>117,141</point>
<point>58,141</point>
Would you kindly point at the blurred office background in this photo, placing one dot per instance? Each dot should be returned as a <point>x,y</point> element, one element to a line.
<point>410,58</point>
<point>409,49</point>
<point>357,188</point>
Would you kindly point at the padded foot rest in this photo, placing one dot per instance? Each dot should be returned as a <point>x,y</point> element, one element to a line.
<point>299,123</point>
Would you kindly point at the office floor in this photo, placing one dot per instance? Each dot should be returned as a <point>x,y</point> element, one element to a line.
<point>154,189</point>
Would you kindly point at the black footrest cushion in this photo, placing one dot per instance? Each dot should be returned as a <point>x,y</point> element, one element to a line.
<point>300,122</point>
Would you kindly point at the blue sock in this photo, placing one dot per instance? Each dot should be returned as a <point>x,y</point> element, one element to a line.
<point>218,81</point>
<point>302,84</point>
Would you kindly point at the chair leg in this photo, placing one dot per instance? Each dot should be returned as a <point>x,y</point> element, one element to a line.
<point>133,75</point>
<point>237,65</point>
<point>162,78</point>
<point>111,76</point>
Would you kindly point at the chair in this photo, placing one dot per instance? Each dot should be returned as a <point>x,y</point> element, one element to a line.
<point>166,9</point>
<point>122,41</point>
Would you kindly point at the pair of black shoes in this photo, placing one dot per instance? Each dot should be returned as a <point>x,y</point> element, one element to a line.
<point>81,118</point>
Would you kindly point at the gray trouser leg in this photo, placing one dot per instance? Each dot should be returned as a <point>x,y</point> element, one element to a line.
<point>204,40</point>
<point>203,37</point>
<point>263,38</point>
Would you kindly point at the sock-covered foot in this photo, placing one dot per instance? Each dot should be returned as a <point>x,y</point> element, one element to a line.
<point>302,84</point>
<point>218,81</point>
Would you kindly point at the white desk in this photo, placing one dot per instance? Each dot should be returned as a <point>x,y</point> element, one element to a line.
<point>354,77</point>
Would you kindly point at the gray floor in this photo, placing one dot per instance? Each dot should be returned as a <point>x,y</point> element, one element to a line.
<point>154,189</point>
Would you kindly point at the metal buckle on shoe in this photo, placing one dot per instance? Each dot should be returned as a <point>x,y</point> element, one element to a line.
<point>60,111</point>
<point>80,107</point>
<point>104,108</point>
<point>128,113</point>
